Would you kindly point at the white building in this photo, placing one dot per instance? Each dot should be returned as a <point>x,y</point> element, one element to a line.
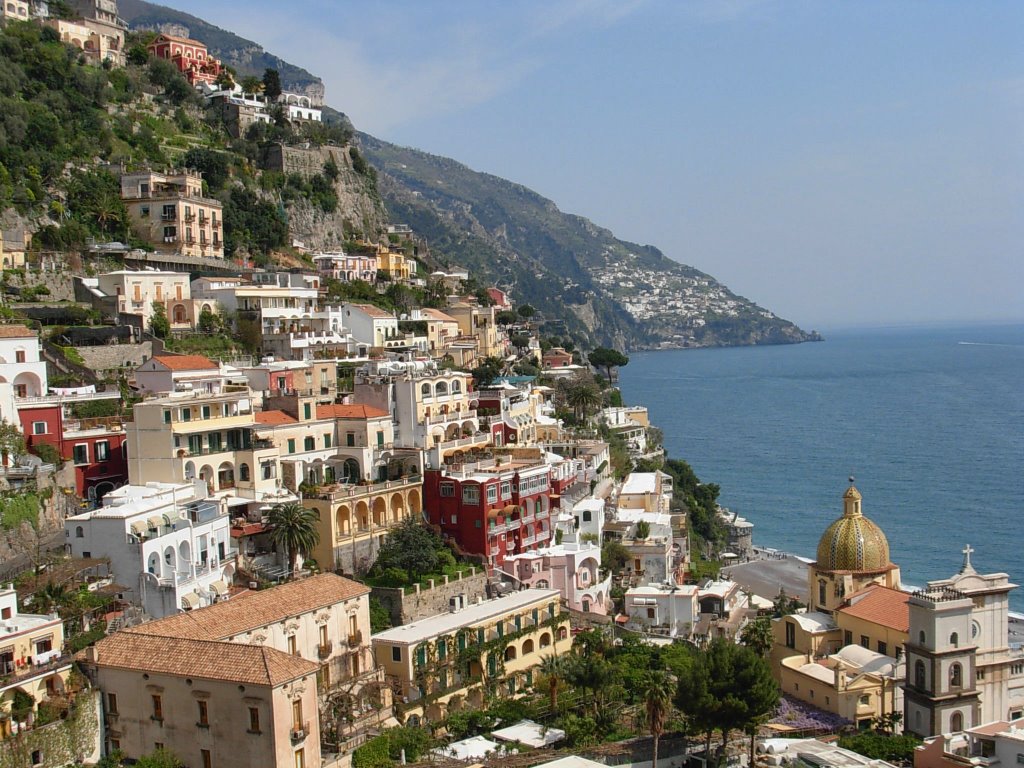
<point>168,544</point>
<point>669,610</point>
<point>370,325</point>
<point>163,374</point>
<point>20,364</point>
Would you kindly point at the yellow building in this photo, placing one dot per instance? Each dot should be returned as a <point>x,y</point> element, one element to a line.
<point>394,264</point>
<point>31,661</point>
<point>444,663</point>
<point>169,211</point>
<point>478,321</point>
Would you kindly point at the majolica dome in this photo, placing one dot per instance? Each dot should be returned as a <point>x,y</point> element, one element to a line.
<point>853,543</point>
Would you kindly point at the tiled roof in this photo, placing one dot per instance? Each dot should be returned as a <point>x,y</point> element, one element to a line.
<point>349,412</point>
<point>437,314</point>
<point>235,662</point>
<point>879,605</point>
<point>256,609</point>
<point>187,362</point>
<point>275,417</point>
<point>372,311</point>
<point>16,332</point>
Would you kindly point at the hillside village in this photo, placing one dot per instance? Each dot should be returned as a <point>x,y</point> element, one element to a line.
<point>331,501</point>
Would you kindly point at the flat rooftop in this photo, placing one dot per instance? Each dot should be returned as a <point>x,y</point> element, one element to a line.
<point>444,623</point>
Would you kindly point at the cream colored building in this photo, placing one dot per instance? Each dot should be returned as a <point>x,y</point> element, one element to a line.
<point>394,264</point>
<point>479,321</point>
<point>211,703</point>
<point>169,211</point>
<point>136,291</point>
<point>187,435</point>
<point>441,664</point>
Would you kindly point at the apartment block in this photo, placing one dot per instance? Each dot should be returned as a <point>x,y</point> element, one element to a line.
<point>169,212</point>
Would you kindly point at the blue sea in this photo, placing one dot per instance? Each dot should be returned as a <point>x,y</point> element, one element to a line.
<point>929,421</point>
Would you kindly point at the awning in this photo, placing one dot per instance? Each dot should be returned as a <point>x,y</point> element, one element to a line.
<point>156,522</point>
<point>189,601</point>
<point>219,587</point>
<point>139,528</point>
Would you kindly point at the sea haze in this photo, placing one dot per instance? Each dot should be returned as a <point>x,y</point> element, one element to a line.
<point>930,422</point>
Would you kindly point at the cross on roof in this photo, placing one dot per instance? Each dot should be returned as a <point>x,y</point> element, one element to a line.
<point>967,567</point>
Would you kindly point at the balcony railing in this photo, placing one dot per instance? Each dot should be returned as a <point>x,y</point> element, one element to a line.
<point>298,733</point>
<point>347,490</point>
<point>324,649</point>
<point>355,639</point>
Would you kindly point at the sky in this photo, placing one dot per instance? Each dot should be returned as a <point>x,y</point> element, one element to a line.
<point>855,163</point>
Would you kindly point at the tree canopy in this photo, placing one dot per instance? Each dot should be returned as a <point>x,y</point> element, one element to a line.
<point>607,358</point>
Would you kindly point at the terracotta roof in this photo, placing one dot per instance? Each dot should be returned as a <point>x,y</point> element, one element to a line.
<point>275,417</point>
<point>349,412</point>
<point>879,605</point>
<point>437,314</point>
<point>179,39</point>
<point>372,311</point>
<point>256,609</point>
<point>187,362</point>
<point>16,332</point>
<point>235,662</point>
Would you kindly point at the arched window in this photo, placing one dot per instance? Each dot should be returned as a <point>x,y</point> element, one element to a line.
<point>510,653</point>
<point>921,637</point>
<point>456,387</point>
<point>955,677</point>
<point>821,592</point>
<point>243,472</point>
<point>954,640</point>
<point>919,675</point>
<point>562,633</point>
<point>545,640</point>
<point>527,647</point>
<point>425,390</point>
<point>79,532</point>
<point>587,516</point>
<point>441,389</point>
<point>956,722</point>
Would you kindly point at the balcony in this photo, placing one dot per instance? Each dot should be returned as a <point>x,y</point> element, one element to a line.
<point>442,418</point>
<point>300,732</point>
<point>190,217</point>
<point>343,491</point>
<point>323,650</point>
<point>355,639</point>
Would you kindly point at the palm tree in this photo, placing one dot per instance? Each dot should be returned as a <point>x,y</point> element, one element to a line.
<point>582,397</point>
<point>553,668</point>
<point>51,596</point>
<point>295,529</point>
<point>657,693</point>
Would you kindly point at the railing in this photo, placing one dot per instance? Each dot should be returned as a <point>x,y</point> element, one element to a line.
<point>344,490</point>
<point>300,732</point>
<point>11,675</point>
<point>474,439</point>
<point>324,649</point>
<point>441,418</point>
<point>355,639</point>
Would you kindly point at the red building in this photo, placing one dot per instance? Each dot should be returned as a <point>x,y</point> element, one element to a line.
<point>492,509</point>
<point>189,56</point>
<point>94,447</point>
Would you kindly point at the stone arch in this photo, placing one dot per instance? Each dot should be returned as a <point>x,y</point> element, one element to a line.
<point>545,639</point>
<point>563,633</point>
<point>397,507</point>
<point>426,391</point>
<point>343,520</point>
<point>243,472</point>
<point>153,564</point>
<point>452,433</point>
<point>226,475</point>
<point>956,722</point>
<point>456,387</point>
<point>33,386</point>
<point>527,646</point>
<point>954,640</point>
<point>956,676</point>
<point>441,388</point>
<point>380,511</point>
<point>178,314</point>
<point>190,470</point>
<point>185,553</point>
<point>206,475</point>
<point>363,515</point>
<point>170,559</point>
<point>350,472</point>
<point>468,428</point>
<point>510,653</point>
<point>206,308</point>
<point>414,502</point>
<point>103,488</point>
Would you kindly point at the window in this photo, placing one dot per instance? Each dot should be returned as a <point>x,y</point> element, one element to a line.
<point>822,592</point>
<point>396,653</point>
<point>19,356</point>
<point>790,634</point>
<point>921,637</point>
<point>102,450</point>
<point>651,613</point>
<point>470,494</point>
<point>447,489</point>
<point>79,532</point>
<point>243,472</point>
<point>292,649</point>
<point>919,675</point>
<point>979,674</point>
<point>38,427</point>
<point>380,438</point>
<point>300,758</point>
<point>207,758</point>
<point>158,707</point>
<point>847,637</point>
<point>254,719</point>
<point>327,440</point>
<point>167,416</point>
<point>81,454</point>
<point>291,445</point>
<point>954,640</point>
<point>442,649</point>
<point>492,494</point>
<point>421,656</point>
<point>883,648</point>
<point>956,723</point>
<point>865,642</point>
<point>350,439</point>
<point>310,444</point>
<point>186,414</point>
<point>206,411</point>
<point>204,714</point>
<point>506,490</point>
<point>37,757</point>
<point>297,714</point>
<point>112,703</point>
<point>956,676</point>
<point>307,410</point>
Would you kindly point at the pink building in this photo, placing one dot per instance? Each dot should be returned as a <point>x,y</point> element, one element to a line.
<point>573,569</point>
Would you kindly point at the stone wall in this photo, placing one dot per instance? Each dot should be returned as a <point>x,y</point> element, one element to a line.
<point>421,603</point>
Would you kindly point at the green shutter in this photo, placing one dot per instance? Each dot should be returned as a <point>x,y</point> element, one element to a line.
<point>462,641</point>
<point>291,445</point>
<point>307,409</point>
<point>480,635</point>
<point>421,656</point>
<point>442,648</point>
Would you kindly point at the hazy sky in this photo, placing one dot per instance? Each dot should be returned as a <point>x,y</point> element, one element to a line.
<point>838,163</point>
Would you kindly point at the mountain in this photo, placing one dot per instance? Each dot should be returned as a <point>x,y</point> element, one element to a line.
<point>603,290</point>
<point>608,290</point>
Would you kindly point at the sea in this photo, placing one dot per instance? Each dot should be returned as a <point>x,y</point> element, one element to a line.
<point>929,422</point>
